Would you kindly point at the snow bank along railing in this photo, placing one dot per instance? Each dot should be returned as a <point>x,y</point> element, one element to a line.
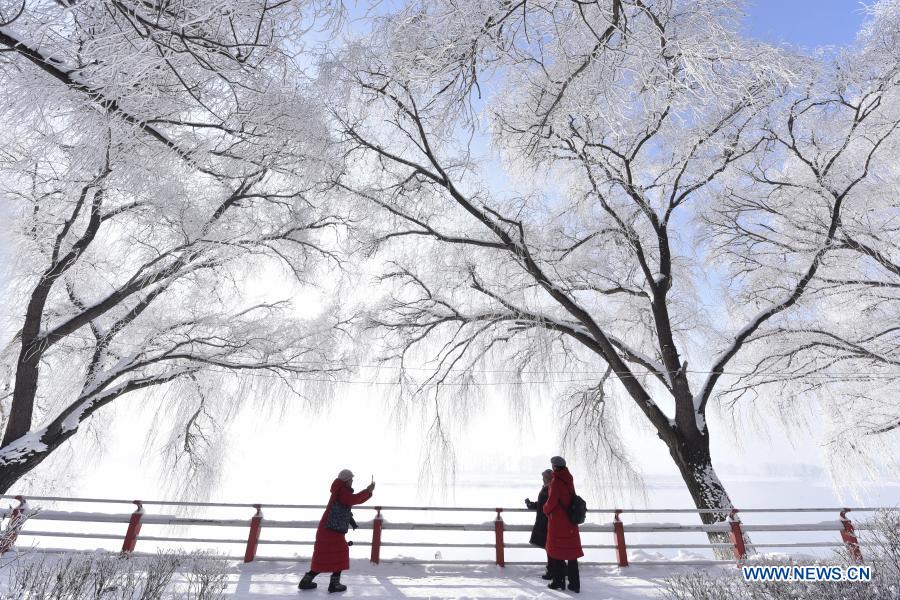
<point>732,526</point>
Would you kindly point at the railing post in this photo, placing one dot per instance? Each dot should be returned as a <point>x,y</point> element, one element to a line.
<point>619,535</point>
<point>737,535</point>
<point>376,537</point>
<point>134,528</point>
<point>848,534</point>
<point>253,537</point>
<point>15,522</point>
<point>498,539</point>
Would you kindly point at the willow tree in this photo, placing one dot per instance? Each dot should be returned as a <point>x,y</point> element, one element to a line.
<point>156,157</point>
<point>579,240</point>
<point>828,185</point>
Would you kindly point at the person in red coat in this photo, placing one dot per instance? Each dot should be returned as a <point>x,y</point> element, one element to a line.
<point>563,540</point>
<point>331,551</point>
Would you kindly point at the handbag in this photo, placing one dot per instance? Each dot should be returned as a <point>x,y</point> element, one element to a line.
<point>339,516</point>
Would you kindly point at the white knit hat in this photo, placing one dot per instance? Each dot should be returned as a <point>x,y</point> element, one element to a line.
<point>345,475</point>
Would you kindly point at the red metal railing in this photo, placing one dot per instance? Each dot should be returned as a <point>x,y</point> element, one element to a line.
<point>140,517</point>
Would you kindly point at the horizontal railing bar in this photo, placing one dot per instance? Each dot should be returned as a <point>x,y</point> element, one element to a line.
<point>673,528</point>
<point>51,515</point>
<point>173,520</point>
<point>450,527</point>
<point>415,561</point>
<point>706,546</point>
<point>829,526</point>
<point>427,545</point>
<point>800,545</point>
<point>303,542</point>
<point>110,536</point>
<point>153,538</point>
<point>274,523</point>
<point>440,508</point>
<point>675,563</point>
<point>63,534</point>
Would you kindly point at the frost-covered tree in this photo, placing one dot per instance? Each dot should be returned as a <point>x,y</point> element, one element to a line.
<point>158,162</point>
<point>580,241</point>
<point>829,185</point>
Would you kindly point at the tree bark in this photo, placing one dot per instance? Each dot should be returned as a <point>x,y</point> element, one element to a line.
<point>11,473</point>
<point>15,469</point>
<point>692,457</point>
<point>27,366</point>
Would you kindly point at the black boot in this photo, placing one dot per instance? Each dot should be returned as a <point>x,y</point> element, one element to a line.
<point>335,584</point>
<point>307,582</point>
<point>547,576</point>
<point>574,577</point>
<point>558,574</point>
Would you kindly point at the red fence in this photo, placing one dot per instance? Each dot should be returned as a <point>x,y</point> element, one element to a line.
<point>256,525</point>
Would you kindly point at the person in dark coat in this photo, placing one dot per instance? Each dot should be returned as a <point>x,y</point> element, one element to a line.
<point>563,540</point>
<point>539,531</point>
<point>331,551</point>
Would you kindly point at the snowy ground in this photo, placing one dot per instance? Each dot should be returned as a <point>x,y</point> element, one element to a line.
<point>275,580</point>
<point>271,581</point>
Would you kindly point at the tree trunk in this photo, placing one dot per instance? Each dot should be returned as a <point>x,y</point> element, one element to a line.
<point>11,473</point>
<point>694,462</point>
<point>24,392</point>
<point>15,468</point>
<point>27,367</point>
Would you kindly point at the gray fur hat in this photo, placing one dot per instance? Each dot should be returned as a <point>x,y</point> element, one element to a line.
<point>557,461</point>
<point>345,475</point>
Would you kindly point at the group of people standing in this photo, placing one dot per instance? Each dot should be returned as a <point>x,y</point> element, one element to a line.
<point>553,530</point>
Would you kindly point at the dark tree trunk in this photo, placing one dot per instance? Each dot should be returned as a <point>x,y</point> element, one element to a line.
<point>694,462</point>
<point>54,436</point>
<point>11,473</point>
<point>24,392</point>
<point>15,468</point>
<point>27,367</point>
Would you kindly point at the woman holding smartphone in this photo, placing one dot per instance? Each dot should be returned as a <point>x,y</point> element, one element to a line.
<point>331,551</point>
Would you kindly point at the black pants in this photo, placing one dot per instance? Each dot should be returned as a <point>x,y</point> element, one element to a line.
<point>562,569</point>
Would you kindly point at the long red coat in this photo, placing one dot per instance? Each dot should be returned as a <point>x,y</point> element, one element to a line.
<point>563,539</point>
<point>331,552</point>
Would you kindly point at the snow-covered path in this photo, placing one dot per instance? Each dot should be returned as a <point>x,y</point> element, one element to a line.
<point>278,580</point>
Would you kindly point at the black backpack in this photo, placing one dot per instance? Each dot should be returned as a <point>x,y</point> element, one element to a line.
<point>577,510</point>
